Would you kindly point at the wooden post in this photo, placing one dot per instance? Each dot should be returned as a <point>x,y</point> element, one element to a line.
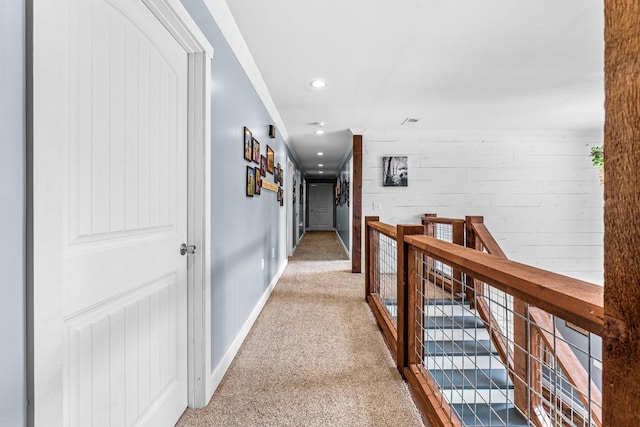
<point>402,283</point>
<point>430,227</point>
<point>370,250</point>
<point>470,242</point>
<point>356,252</point>
<point>621,341</point>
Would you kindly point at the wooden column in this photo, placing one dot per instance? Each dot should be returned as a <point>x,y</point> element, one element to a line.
<point>356,253</point>
<point>621,346</point>
<point>402,360</point>
<point>370,250</point>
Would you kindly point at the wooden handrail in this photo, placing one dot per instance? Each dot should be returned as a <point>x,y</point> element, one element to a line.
<point>482,233</point>
<point>440,220</point>
<point>571,299</point>
<point>386,229</point>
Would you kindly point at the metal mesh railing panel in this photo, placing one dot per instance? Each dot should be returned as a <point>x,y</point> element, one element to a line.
<point>496,369</point>
<point>385,264</point>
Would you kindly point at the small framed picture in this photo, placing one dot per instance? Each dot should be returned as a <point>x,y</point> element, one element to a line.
<point>263,166</point>
<point>251,181</point>
<point>281,174</point>
<point>281,196</point>
<point>248,140</point>
<point>270,159</point>
<point>276,174</point>
<point>258,180</point>
<point>394,171</point>
<point>256,151</point>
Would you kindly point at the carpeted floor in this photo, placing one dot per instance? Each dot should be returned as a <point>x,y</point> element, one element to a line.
<point>319,246</point>
<point>314,357</point>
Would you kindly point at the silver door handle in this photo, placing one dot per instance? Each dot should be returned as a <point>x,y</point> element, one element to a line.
<point>190,249</point>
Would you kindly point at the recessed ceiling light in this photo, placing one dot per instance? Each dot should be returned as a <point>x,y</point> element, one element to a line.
<point>320,172</point>
<point>319,132</point>
<point>320,154</point>
<point>320,165</point>
<point>318,84</point>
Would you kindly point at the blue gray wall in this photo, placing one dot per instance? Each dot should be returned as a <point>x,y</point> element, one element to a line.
<point>12,214</point>
<point>244,230</point>
<point>343,213</point>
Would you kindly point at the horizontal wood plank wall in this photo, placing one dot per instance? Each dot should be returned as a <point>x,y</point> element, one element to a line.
<point>539,193</point>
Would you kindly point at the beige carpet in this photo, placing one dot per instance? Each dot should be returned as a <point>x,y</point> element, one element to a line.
<point>314,357</point>
<point>319,246</point>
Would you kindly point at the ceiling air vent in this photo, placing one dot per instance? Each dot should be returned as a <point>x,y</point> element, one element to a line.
<point>409,121</point>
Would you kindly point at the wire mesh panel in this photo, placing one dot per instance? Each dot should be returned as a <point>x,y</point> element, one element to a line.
<point>493,361</point>
<point>384,273</point>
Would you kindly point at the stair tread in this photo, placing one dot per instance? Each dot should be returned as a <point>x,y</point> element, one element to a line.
<point>469,347</point>
<point>466,322</point>
<point>490,415</point>
<point>472,378</point>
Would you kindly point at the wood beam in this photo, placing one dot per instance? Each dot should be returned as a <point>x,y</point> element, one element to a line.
<point>356,251</point>
<point>621,341</point>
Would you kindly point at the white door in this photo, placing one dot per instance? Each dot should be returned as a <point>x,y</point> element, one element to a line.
<point>320,207</point>
<point>110,213</point>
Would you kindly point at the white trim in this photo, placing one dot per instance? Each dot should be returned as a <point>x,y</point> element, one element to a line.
<point>229,28</point>
<point>290,207</point>
<point>173,15</point>
<point>213,381</point>
<point>343,245</point>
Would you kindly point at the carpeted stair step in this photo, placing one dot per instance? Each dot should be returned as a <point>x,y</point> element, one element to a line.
<point>455,335</point>
<point>472,378</point>
<point>460,347</point>
<point>478,396</point>
<point>462,362</point>
<point>445,322</point>
<point>489,415</point>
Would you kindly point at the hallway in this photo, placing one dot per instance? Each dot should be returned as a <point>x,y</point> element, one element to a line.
<point>314,357</point>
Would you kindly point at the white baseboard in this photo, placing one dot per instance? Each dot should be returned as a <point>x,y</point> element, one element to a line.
<point>346,251</point>
<point>218,373</point>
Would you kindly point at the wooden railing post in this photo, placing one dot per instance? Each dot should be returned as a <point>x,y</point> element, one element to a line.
<point>402,360</point>
<point>370,248</point>
<point>430,229</point>
<point>470,242</point>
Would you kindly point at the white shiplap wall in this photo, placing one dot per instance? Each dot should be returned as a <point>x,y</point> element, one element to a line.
<point>538,192</point>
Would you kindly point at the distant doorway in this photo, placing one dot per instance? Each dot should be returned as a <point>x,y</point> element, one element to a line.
<point>320,207</point>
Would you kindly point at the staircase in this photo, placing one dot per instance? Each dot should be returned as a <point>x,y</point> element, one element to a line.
<point>466,367</point>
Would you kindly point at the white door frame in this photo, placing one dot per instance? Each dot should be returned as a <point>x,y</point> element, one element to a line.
<point>290,208</point>
<point>49,114</point>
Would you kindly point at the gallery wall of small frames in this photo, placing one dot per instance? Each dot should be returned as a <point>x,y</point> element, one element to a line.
<point>342,192</point>
<point>264,163</point>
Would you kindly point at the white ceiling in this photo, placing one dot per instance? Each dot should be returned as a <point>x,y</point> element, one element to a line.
<point>456,65</point>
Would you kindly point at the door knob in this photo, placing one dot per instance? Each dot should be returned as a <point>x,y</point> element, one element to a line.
<point>187,249</point>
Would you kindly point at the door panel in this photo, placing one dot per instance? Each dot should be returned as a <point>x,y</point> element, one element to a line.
<point>320,207</point>
<point>124,288</point>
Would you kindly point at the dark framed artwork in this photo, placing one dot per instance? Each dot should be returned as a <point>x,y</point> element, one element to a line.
<point>263,166</point>
<point>256,151</point>
<point>251,181</point>
<point>293,190</point>
<point>276,174</point>
<point>258,180</point>
<point>394,171</point>
<point>270,159</point>
<point>281,196</point>
<point>248,140</point>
